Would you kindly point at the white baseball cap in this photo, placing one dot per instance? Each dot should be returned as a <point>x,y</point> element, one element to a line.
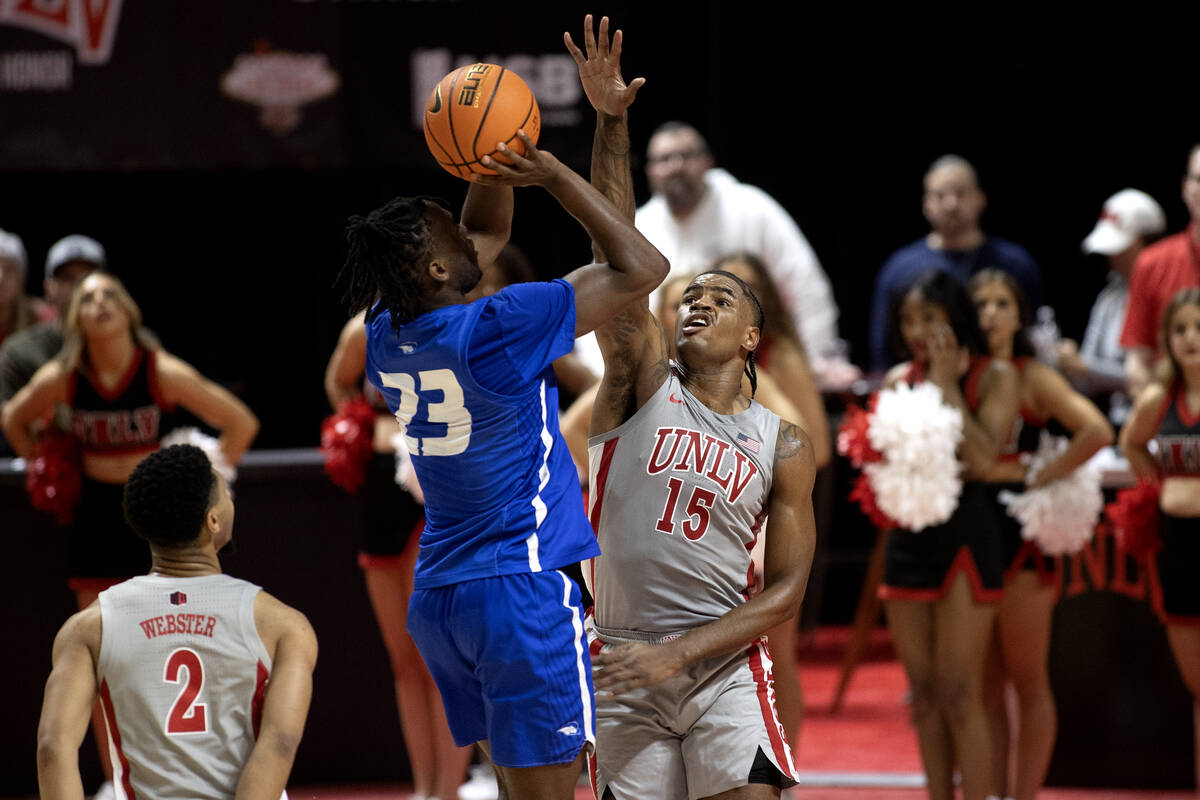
<point>1126,215</point>
<point>12,249</point>
<point>75,247</point>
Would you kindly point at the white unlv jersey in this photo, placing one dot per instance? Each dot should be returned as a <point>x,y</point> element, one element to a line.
<point>182,674</point>
<point>678,497</point>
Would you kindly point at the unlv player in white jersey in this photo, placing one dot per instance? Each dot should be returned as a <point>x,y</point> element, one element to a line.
<point>684,471</point>
<point>204,679</point>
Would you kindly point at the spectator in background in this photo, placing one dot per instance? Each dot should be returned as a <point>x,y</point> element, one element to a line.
<point>953,202</point>
<point>1159,273</point>
<point>17,310</point>
<point>698,213</point>
<point>1128,222</point>
<point>68,262</point>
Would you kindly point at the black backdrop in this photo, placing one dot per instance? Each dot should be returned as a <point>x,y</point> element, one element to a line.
<point>230,236</point>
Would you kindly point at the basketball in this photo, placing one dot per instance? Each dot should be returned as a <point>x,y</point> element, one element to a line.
<point>472,109</point>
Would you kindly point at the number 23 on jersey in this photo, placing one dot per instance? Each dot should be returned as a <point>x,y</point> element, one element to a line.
<point>449,410</point>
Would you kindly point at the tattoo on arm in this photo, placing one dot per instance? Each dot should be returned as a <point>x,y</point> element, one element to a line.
<point>610,164</point>
<point>792,440</point>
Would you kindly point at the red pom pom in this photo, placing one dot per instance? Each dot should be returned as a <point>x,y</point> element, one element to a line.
<point>53,475</point>
<point>852,440</point>
<point>1134,517</point>
<point>347,440</point>
<point>864,495</point>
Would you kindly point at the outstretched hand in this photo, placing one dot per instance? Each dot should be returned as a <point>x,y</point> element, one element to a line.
<point>600,69</point>
<point>535,168</point>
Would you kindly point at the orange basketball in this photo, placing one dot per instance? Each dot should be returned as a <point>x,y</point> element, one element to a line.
<point>472,109</point>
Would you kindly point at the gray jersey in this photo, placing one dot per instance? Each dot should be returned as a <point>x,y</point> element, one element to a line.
<point>678,497</point>
<point>182,674</point>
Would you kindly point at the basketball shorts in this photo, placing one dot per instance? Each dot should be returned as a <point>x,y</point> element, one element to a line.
<point>509,656</point>
<point>100,544</point>
<point>921,565</point>
<point>706,730</point>
<point>1176,563</point>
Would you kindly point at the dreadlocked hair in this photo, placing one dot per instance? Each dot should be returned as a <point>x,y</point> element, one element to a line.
<point>760,320</point>
<point>387,247</point>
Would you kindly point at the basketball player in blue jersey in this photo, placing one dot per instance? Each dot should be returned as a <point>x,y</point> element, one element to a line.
<point>205,680</point>
<point>499,626</point>
<point>684,471</point>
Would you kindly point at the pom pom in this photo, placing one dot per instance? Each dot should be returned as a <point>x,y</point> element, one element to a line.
<point>346,443</point>
<point>406,475</point>
<point>1134,517</point>
<point>1061,516</point>
<point>852,439</point>
<point>864,495</point>
<point>210,446</point>
<point>916,481</point>
<point>53,475</point>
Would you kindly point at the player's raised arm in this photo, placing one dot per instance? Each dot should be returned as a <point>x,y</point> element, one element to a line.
<point>289,692</point>
<point>487,215</point>
<point>633,345</point>
<point>67,706</point>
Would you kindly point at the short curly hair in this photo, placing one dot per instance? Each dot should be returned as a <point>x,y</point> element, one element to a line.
<point>168,494</point>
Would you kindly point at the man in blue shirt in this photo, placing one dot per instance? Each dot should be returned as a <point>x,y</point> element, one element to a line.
<point>500,628</point>
<point>952,202</point>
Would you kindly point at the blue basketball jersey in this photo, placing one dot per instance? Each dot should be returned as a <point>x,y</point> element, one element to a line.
<point>473,390</point>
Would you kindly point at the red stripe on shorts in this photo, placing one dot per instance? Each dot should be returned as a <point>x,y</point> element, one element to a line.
<point>766,702</point>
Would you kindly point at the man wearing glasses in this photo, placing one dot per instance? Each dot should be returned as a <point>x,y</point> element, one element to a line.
<point>699,212</point>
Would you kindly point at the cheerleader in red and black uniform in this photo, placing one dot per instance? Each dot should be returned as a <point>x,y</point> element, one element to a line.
<point>117,383</point>
<point>1020,647</point>
<point>941,584</point>
<point>1167,413</point>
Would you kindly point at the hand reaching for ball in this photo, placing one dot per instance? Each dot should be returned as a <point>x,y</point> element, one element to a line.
<point>600,69</point>
<point>534,168</point>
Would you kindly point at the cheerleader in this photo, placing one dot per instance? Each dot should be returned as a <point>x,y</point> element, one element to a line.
<point>118,384</point>
<point>941,584</point>
<point>1167,413</point>
<point>1020,645</point>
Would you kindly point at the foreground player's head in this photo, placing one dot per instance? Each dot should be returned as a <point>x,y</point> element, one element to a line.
<point>719,320</point>
<point>406,252</point>
<point>174,499</point>
<point>935,298</point>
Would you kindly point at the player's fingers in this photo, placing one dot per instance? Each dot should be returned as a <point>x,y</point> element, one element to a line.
<point>575,52</point>
<point>602,44</point>
<point>634,85</point>
<point>589,37</point>
<point>614,50</point>
<point>531,150</point>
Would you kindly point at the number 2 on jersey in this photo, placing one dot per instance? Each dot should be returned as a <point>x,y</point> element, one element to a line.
<point>187,716</point>
<point>449,410</point>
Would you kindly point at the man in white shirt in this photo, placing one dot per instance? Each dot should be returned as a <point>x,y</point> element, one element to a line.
<point>699,213</point>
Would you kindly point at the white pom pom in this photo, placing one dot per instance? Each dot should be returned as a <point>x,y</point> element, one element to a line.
<point>210,446</point>
<point>406,476</point>
<point>1060,517</point>
<point>917,483</point>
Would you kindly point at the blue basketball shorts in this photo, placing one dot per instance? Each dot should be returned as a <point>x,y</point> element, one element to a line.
<point>510,658</point>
